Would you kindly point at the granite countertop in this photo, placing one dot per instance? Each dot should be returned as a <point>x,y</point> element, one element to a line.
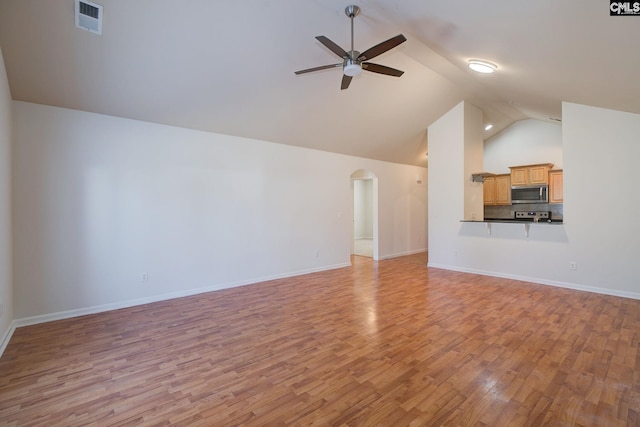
<point>514,221</point>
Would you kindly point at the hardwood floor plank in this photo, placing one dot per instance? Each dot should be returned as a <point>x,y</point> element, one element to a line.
<point>379,343</point>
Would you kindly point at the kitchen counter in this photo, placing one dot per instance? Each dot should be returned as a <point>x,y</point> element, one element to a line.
<point>526,224</point>
<point>514,221</point>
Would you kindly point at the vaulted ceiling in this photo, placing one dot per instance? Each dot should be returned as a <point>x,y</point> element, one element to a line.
<point>227,66</point>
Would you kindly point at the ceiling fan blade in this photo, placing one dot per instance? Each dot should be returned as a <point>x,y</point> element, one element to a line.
<point>381,69</point>
<point>322,67</point>
<point>345,81</point>
<point>382,47</point>
<point>332,46</point>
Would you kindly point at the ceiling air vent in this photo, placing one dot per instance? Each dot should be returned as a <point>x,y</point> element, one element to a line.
<point>89,16</point>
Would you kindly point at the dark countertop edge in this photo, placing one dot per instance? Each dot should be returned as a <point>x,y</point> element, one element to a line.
<point>513,221</point>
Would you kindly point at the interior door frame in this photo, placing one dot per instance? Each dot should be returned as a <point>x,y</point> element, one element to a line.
<point>365,174</point>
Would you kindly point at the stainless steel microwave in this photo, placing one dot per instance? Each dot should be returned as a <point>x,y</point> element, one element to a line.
<point>530,194</point>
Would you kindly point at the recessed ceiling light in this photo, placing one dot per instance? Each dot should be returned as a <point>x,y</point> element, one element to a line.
<point>488,126</point>
<point>482,66</point>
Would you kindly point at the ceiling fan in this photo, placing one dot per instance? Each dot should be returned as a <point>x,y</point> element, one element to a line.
<point>353,62</point>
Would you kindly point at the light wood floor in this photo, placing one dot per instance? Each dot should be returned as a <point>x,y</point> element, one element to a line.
<point>390,343</point>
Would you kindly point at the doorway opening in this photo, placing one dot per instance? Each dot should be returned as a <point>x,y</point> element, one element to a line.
<point>364,230</point>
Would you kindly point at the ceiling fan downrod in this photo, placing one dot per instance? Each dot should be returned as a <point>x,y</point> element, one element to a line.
<point>351,65</point>
<point>352,11</point>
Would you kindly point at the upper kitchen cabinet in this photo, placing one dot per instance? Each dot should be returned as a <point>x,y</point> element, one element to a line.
<point>530,174</point>
<point>503,189</point>
<point>497,189</point>
<point>489,190</point>
<point>556,186</point>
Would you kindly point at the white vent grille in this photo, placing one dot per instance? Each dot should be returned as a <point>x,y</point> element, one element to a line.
<point>89,16</point>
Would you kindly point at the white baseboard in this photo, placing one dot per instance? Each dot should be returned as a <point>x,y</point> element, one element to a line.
<point>567,285</point>
<point>6,337</point>
<point>397,255</point>
<point>43,318</point>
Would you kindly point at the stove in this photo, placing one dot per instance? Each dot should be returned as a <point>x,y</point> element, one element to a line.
<point>544,216</point>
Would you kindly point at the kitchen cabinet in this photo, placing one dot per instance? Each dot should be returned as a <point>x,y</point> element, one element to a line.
<point>519,175</point>
<point>503,189</point>
<point>489,190</point>
<point>556,186</point>
<point>530,174</point>
<point>497,190</point>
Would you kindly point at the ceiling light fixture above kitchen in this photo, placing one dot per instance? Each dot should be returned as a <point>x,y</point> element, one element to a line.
<point>488,126</point>
<point>482,66</point>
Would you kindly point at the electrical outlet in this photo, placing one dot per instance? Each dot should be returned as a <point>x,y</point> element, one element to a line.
<point>573,265</point>
<point>1,309</point>
<point>144,277</point>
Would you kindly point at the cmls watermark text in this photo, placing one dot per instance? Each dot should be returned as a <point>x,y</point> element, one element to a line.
<point>622,8</point>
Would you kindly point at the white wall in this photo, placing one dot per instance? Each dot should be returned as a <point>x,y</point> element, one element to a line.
<point>363,209</point>
<point>600,154</point>
<point>101,200</point>
<point>6,289</point>
<point>446,182</point>
<point>473,152</point>
<point>601,197</point>
<point>526,142</point>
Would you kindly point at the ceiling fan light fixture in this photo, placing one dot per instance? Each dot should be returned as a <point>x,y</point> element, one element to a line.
<point>480,66</point>
<point>352,70</point>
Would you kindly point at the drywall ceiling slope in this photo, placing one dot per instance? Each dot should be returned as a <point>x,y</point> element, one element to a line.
<point>227,66</point>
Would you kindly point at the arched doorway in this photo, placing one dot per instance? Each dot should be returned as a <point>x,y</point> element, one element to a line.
<point>364,228</point>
